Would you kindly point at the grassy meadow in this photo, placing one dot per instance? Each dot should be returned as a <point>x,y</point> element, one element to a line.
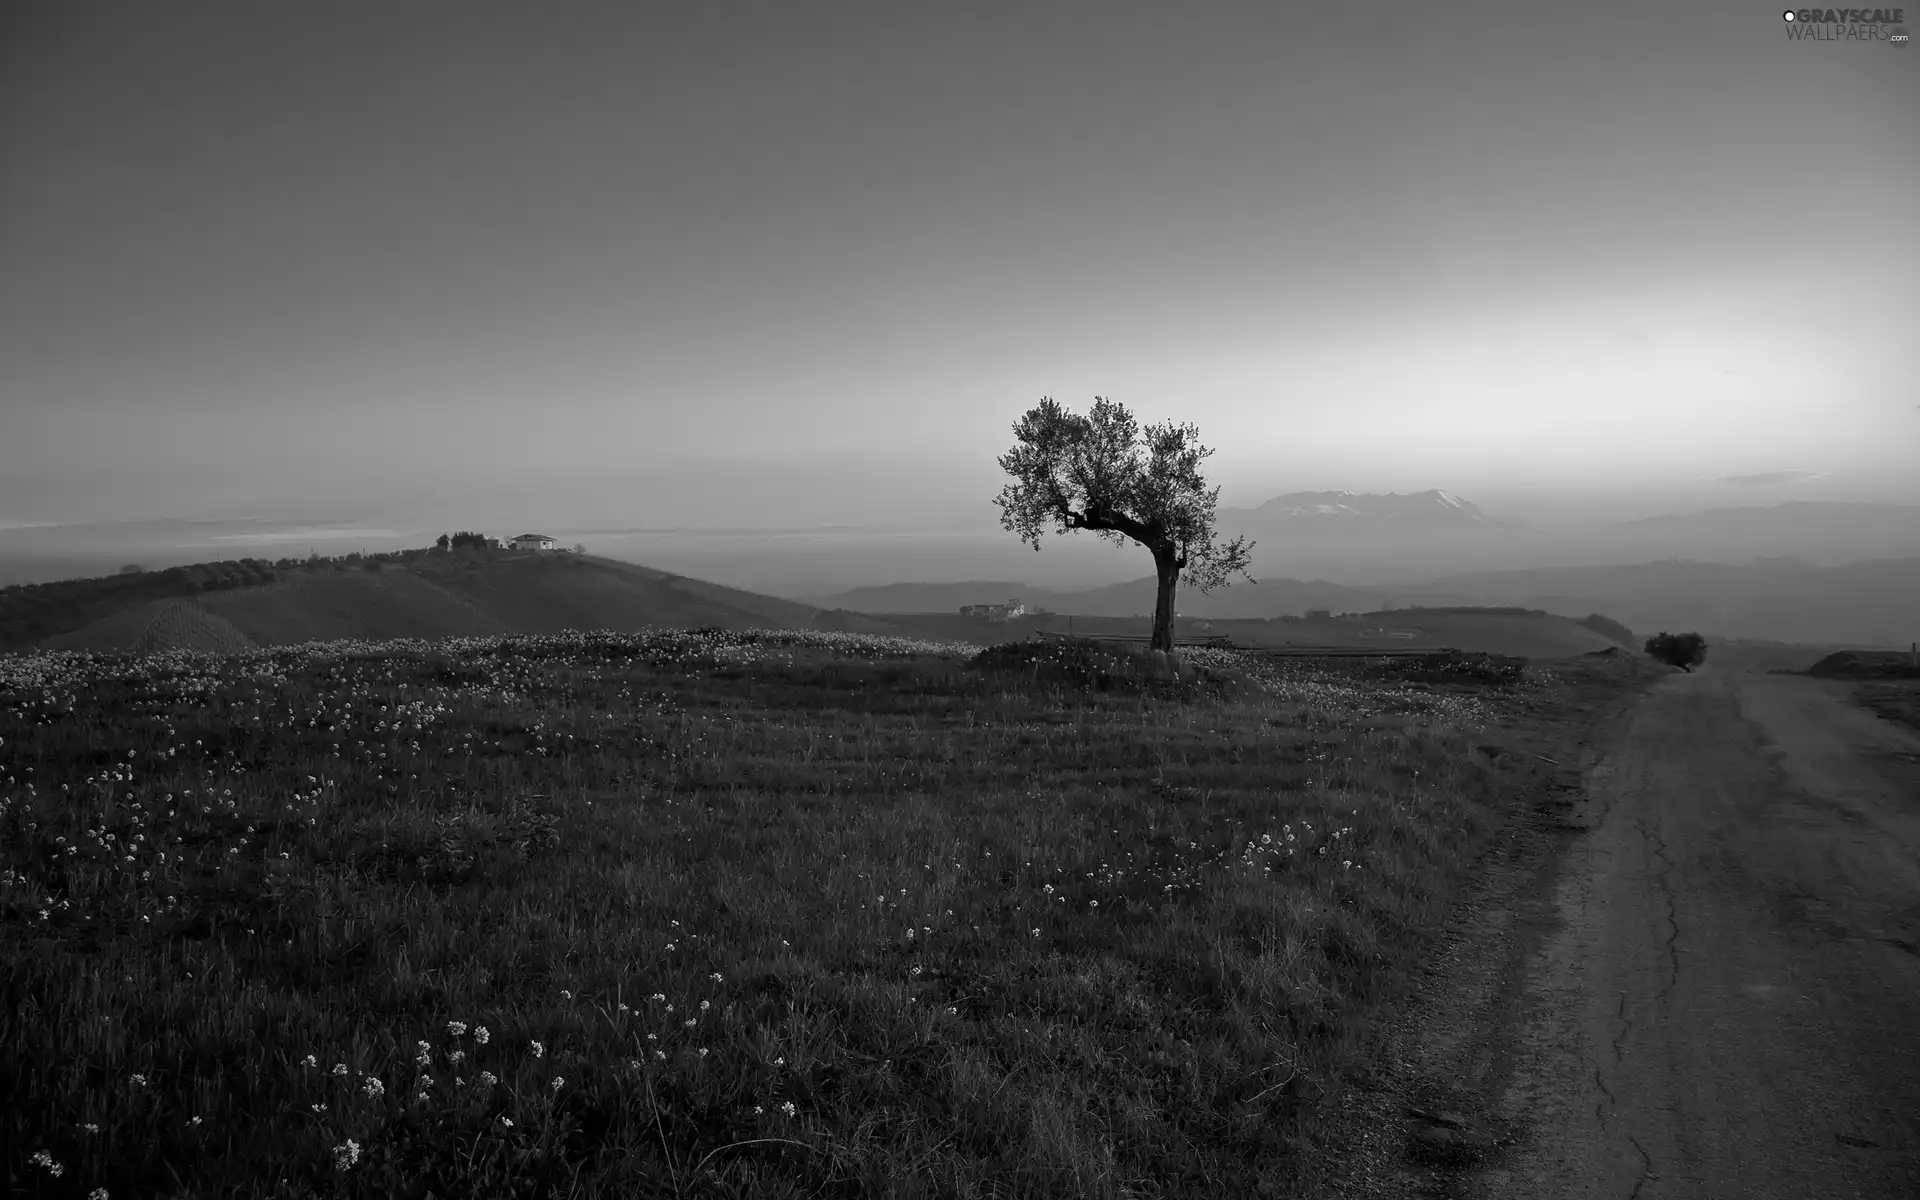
<point>720,913</point>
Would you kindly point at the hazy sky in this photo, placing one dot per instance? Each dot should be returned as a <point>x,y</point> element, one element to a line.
<point>782,263</point>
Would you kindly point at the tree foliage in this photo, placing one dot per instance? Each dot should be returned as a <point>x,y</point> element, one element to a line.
<point>1087,473</point>
<point>1683,650</point>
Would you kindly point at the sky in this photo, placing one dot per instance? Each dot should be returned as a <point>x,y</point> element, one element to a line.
<point>775,266</point>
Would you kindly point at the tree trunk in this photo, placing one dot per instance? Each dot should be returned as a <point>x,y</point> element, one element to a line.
<point>1163,607</point>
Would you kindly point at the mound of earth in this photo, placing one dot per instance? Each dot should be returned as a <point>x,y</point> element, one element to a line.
<point>1865,664</point>
<point>185,625</point>
<point>1609,652</point>
<point>1092,666</point>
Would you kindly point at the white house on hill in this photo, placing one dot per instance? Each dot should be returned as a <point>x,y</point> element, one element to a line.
<point>994,612</point>
<point>533,541</point>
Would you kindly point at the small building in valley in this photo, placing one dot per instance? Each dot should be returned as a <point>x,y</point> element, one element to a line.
<point>533,541</point>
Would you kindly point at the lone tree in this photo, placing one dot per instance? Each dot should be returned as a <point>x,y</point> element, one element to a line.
<point>1092,461</point>
<point>1683,650</point>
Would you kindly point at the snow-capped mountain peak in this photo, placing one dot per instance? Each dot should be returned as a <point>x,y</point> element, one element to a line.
<point>1429,507</point>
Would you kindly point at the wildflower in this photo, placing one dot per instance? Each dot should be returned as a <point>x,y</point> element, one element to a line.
<point>97,1194</point>
<point>489,1078</point>
<point>565,994</point>
<point>705,1005</point>
<point>1036,933</point>
<point>426,1054</point>
<point>456,1028</point>
<point>309,1061</point>
<point>625,1009</point>
<point>507,1121</point>
<point>480,1034</point>
<point>139,1081</point>
<point>539,1051</point>
<point>346,1155</point>
<point>716,977</point>
<point>373,1087</point>
<point>703,1052</point>
<point>318,1107</point>
<point>455,1056</point>
<point>193,1122</point>
<point>90,1127</point>
<point>658,996</point>
<point>787,1108</point>
<point>558,1082</point>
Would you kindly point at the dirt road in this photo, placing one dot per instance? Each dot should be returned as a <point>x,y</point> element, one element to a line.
<point>1700,980</point>
<point>1730,1006</point>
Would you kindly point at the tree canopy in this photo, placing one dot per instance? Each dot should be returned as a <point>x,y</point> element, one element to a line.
<point>1683,650</point>
<point>1088,473</point>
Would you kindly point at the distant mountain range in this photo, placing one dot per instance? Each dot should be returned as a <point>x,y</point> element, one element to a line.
<point>1796,527</point>
<point>1799,586</point>
<point>1359,535</point>
<point>1350,511</point>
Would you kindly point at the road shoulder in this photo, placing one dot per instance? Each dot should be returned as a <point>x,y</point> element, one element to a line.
<point>1427,1121</point>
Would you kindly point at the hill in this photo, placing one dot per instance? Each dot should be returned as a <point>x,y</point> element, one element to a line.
<point>1855,664</point>
<point>581,882</point>
<point>1798,527</point>
<point>1267,598</point>
<point>414,594</point>
<point>1510,632</point>
<point>1876,602</point>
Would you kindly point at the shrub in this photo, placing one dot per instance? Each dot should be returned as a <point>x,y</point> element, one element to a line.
<point>1683,650</point>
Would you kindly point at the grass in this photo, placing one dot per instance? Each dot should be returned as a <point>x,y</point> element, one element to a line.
<point>1896,702</point>
<point>707,913</point>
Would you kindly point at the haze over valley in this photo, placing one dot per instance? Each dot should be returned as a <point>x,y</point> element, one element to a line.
<point>328,301</point>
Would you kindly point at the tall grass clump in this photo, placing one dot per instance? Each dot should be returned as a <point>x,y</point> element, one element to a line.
<point>710,913</point>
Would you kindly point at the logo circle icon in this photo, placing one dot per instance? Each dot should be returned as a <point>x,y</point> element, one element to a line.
<point>1788,15</point>
<point>1897,35</point>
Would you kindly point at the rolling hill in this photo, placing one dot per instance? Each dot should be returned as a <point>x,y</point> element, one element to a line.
<point>1779,599</point>
<point>428,595</point>
<point>417,594</point>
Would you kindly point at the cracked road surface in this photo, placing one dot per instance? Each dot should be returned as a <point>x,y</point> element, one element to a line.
<point>1728,1004</point>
